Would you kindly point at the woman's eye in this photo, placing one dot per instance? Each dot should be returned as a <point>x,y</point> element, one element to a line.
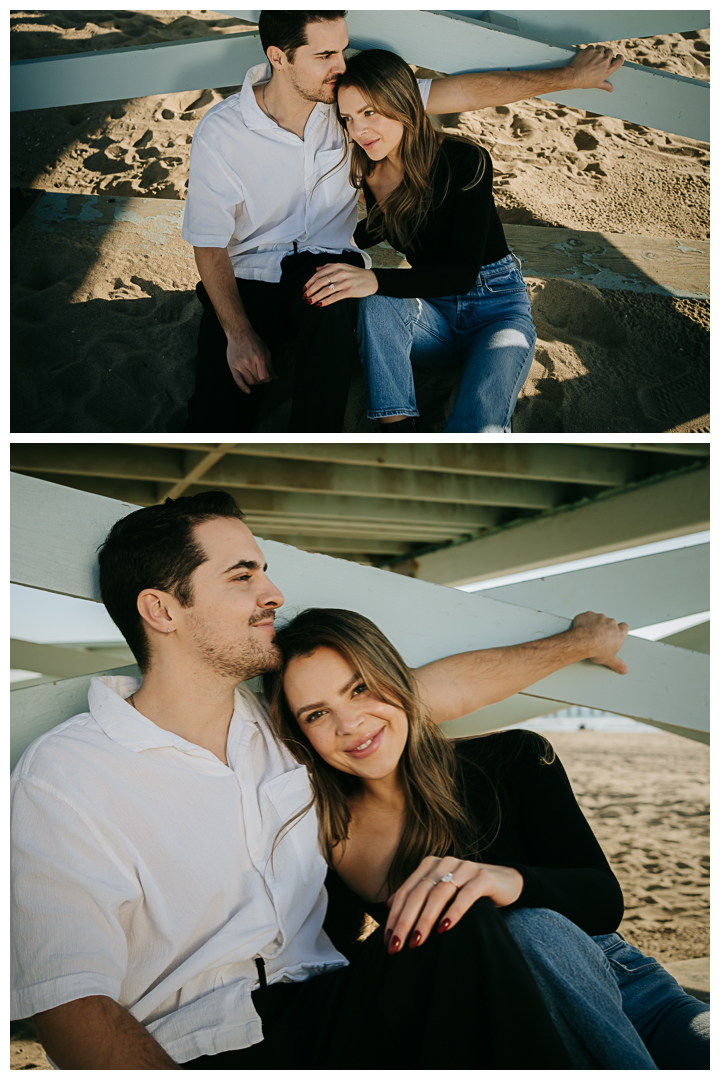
<point>313,716</point>
<point>361,688</point>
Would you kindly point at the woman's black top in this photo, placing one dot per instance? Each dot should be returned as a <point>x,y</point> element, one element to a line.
<point>461,233</point>
<point>542,833</point>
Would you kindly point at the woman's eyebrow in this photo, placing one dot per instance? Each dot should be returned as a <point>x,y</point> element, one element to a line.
<point>319,704</point>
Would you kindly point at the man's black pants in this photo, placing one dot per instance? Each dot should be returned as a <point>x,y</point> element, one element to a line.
<point>324,352</point>
<point>463,1000</point>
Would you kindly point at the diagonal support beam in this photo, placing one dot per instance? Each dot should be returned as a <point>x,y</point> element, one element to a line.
<point>452,43</point>
<point>641,514</point>
<point>198,464</point>
<point>576,26</point>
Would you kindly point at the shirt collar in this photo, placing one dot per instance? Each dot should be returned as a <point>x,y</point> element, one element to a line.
<point>254,117</point>
<point>121,722</point>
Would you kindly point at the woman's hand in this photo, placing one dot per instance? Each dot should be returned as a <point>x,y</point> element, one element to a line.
<point>417,904</point>
<point>347,280</point>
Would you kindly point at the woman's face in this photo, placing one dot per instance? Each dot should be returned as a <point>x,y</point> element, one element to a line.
<point>348,726</point>
<point>378,135</point>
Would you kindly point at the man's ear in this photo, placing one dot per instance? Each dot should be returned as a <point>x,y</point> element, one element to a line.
<point>276,57</point>
<point>156,608</point>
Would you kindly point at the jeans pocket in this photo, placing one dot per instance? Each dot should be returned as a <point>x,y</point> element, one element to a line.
<point>507,280</point>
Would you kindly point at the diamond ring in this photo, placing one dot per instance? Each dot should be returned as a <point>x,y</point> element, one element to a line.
<point>447,879</point>
<point>331,286</point>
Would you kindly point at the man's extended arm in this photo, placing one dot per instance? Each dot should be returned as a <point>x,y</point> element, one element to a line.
<point>458,685</point>
<point>591,68</point>
<point>97,1033</point>
<point>248,356</point>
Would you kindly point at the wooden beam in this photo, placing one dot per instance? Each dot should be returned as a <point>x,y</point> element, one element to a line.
<point>62,662</point>
<point>171,462</point>
<point>694,449</point>
<point>528,461</point>
<point>453,43</point>
<point>575,26</point>
<point>663,266</point>
<point>658,510</point>
<point>359,546</point>
<point>134,72</point>
<point>196,465</point>
<point>696,638</point>
<point>627,590</point>
<point>423,620</point>
<point>513,710</point>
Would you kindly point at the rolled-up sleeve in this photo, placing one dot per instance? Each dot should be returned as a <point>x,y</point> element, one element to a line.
<point>215,193</point>
<point>67,892</point>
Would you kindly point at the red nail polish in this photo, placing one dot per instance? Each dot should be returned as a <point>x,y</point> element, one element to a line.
<point>444,925</point>
<point>319,303</point>
<point>394,945</point>
<point>415,939</point>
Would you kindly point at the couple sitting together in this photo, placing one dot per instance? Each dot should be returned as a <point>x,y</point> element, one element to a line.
<point>194,864</point>
<point>275,173</point>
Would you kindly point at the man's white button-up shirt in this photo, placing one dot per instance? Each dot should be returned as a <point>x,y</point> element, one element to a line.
<point>257,189</point>
<point>142,871</point>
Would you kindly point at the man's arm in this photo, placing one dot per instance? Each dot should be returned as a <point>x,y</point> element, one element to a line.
<point>590,69</point>
<point>458,685</point>
<point>247,354</point>
<point>97,1033</point>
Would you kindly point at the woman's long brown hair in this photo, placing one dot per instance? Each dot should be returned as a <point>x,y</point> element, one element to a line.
<point>389,86</point>
<point>436,823</point>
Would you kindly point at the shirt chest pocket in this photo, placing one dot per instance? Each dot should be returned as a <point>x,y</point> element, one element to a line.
<point>330,184</point>
<point>294,840</point>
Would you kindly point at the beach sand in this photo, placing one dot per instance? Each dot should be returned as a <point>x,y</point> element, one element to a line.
<point>646,797</point>
<point>605,361</point>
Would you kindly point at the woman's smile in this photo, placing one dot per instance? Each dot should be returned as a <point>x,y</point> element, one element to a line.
<point>348,725</point>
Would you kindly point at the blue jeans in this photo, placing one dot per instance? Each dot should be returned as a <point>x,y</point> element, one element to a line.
<point>614,1007</point>
<point>489,329</point>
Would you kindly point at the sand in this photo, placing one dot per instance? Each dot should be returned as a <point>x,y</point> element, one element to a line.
<point>605,361</point>
<point>646,797</point>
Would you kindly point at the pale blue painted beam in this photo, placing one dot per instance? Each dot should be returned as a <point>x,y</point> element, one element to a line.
<point>453,43</point>
<point>120,74</point>
<point>577,27</point>
<point>445,42</point>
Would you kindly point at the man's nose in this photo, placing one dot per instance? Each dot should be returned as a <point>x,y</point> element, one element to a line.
<point>271,595</point>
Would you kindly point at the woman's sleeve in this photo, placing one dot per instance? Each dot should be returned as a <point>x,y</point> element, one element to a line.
<point>563,866</point>
<point>455,270</point>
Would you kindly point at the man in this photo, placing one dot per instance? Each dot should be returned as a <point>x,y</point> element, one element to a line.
<point>269,200</point>
<point>151,895</point>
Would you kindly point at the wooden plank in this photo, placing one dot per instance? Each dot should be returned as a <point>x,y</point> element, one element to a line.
<point>55,534</point>
<point>514,710</point>
<point>145,226</point>
<point>643,514</point>
<point>578,27</point>
<point>62,662</point>
<point>576,463</point>
<point>140,71</point>
<point>661,266</point>
<point>424,620</point>
<point>36,709</point>
<point>696,638</point>
<point>627,590</point>
<point>453,43</point>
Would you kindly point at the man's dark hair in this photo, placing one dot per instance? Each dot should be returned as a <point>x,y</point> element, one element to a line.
<point>286,29</point>
<point>155,548</point>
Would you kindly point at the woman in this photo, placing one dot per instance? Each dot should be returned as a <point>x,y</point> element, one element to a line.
<point>419,832</point>
<point>431,197</point>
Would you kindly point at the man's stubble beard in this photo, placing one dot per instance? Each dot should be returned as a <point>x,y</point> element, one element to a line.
<point>325,94</point>
<point>240,660</point>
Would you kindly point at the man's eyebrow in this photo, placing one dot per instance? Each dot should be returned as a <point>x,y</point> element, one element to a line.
<point>245,564</point>
<point>318,704</point>
<point>332,52</point>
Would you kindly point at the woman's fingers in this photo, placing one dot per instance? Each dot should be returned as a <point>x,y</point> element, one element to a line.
<point>421,900</point>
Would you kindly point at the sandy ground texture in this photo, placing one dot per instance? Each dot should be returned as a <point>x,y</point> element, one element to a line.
<point>646,797</point>
<point>605,361</point>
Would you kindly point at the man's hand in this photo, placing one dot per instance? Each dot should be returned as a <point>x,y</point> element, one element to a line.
<point>607,639</point>
<point>249,359</point>
<point>592,67</point>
